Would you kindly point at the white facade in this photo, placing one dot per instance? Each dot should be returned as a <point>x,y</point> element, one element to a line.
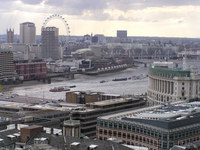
<point>170,85</point>
<point>27,33</point>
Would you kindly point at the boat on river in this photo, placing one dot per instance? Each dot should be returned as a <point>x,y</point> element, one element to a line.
<point>120,79</point>
<point>59,89</point>
<point>72,86</point>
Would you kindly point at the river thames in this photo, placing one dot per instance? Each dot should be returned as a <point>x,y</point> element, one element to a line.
<point>92,83</point>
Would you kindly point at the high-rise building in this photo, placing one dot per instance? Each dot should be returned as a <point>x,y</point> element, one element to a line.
<point>50,46</point>
<point>27,33</point>
<point>7,68</point>
<point>121,33</point>
<point>10,36</point>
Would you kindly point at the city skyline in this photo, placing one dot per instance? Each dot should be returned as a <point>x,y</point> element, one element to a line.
<point>139,17</point>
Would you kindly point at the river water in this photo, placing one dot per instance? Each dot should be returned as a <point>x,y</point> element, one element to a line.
<point>92,83</point>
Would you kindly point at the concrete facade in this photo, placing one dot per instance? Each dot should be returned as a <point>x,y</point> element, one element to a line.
<point>171,84</point>
<point>50,45</point>
<point>7,68</point>
<point>27,33</point>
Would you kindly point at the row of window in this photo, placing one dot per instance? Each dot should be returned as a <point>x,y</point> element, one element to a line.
<point>130,143</point>
<point>148,132</point>
<point>128,136</point>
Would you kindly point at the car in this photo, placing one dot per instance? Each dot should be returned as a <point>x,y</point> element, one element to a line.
<point>7,97</point>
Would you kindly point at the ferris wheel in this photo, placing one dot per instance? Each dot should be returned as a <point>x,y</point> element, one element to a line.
<point>61,18</point>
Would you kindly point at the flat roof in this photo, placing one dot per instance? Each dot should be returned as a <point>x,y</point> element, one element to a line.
<point>112,101</point>
<point>165,117</point>
<point>130,113</point>
<point>32,127</point>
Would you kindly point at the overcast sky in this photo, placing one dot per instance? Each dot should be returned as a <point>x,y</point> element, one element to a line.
<point>169,18</point>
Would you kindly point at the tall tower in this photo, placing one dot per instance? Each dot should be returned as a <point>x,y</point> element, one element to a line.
<point>10,36</point>
<point>50,46</point>
<point>27,33</point>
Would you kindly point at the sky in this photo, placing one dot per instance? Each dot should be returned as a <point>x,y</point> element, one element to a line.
<point>163,18</point>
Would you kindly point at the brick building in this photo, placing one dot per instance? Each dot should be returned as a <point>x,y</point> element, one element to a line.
<point>83,97</point>
<point>31,70</point>
<point>158,127</point>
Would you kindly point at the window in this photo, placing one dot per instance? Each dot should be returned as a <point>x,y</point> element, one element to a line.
<point>140,139</point>
<point>119,134</point>
<point>115,125</point>
<point>100,131</point>
<point>124,127</point>
<point>136,138</point>
<point>105,132</point>
<point>114,133</point>
<point>124,135</point>
<point>133,137</point>
<point>110,125</point>
<point>110,133</point>
<point>129,127</point>
<point>120,126</point>
<point>105,124</point>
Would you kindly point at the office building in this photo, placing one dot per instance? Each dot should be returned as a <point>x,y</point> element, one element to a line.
<point>157,127</point>
<point>84,97</point>
<point>31,70</point>
<point>88,116</point>
<point>121,33</point>
<point>7,68</point>
<point>10,36</point>
<point>167,83</point>
<point>50,45</point>
<point>27,33</point>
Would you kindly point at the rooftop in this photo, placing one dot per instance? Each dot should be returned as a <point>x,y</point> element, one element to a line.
<point>81,51</point>
<point>169,73</point>
<point>167,117</point>
<point>112,101</point>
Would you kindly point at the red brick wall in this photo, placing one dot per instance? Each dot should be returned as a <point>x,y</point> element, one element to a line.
<point>30,71</point>
<point>150,142</point>
<point>27,132</point>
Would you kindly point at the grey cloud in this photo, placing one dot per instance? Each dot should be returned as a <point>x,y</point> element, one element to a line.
<point>24,1</point>
<point>81,5</point>
<point>32,2</point>
<point>77,6</point>
<point>96,8</point>
<point>141,4</point>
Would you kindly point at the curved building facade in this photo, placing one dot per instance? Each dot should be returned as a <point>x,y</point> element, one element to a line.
<point>169,84</point>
